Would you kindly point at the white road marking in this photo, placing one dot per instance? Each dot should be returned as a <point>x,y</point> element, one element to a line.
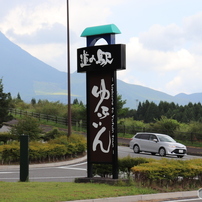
<point>7,172</point>
<point>72,167</point>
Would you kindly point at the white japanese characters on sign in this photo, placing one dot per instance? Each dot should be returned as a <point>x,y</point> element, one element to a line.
<point>102,94</point>
<point>102,59</point>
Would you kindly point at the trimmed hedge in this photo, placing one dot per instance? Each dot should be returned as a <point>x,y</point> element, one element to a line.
<point>125,164</point>
<point>170,173</point>
<point>167,173</point>
<point>59,149</point>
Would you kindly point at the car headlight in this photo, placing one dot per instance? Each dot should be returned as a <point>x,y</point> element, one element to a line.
<point>172,146</point>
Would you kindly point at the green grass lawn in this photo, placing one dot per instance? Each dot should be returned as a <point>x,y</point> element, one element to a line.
<point>63,191</point>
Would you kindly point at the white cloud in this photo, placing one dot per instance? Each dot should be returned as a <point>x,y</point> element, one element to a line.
<point>165,71</point>
<point>193,27</point>
<point>146,59</point>
<point>163,38</point>
<point>165,57</point>
<point>28,17</point>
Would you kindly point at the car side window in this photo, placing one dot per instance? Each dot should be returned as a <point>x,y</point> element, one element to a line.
<point>152,137</point>
<point>145,136</point>
<point>138,136</point>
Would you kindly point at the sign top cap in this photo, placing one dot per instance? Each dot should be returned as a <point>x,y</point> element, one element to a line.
<point>103,29</point>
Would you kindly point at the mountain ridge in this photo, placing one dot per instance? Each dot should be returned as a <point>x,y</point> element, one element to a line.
<point>30,77</point>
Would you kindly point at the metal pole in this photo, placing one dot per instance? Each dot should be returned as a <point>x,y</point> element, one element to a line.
<point>68,75</point>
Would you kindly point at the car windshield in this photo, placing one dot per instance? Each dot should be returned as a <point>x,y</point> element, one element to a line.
<point>165,138</point>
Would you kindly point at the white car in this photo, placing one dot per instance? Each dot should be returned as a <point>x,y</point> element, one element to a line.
<point>157,144</point>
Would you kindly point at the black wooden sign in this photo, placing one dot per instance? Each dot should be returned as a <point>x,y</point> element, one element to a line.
<point>101,58</point>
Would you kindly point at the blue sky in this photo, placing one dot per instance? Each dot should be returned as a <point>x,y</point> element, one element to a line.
<point>163,37</point>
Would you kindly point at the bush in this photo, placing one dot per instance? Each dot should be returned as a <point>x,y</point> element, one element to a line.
<point>10,153</point>
<point>28,126</point>
<point>5,137</point>
<point>103,170</point>
<point>54,133</point>
<point>170,173</point>
<point>59,149</point>
<point>165,125</point>
<point>46,152</point>
<point>126,163</point>
<point>50,108</point>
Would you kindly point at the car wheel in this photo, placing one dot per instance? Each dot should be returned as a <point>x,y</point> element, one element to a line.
<point>162,151</point>
<point>136,149</point>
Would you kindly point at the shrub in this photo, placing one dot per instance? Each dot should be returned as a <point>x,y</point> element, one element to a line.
<point>54,133</point>
<point>50,108</point>
<point>126,163</point>
<point>103,170</point>
<point>6,136</point>
<point>10,153</point>
<point>28,126</point>
<point>165,125</point>
<point>170,173</point>
<point>59,149</point>
<point>74,143</point>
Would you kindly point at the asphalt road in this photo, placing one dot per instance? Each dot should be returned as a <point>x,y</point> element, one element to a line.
<point>63,173</point>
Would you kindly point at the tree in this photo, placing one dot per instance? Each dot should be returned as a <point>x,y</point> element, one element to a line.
<point>18,96</point>
<point>5,101</point>
<point>121,111</point>
<point>165,125</point>
<point>75,101</point>
<point>33,101</point>
<point>142,110</point>
<point>151,113</point>
<point>78,112</point>
<point>28,126</point>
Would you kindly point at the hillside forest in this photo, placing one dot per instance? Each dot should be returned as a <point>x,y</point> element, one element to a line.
<point>163,117</point>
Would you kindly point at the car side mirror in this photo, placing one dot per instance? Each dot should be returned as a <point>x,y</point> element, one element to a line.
<point>155,140</point>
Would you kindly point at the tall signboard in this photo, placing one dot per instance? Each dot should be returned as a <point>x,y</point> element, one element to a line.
<point>100,64</point>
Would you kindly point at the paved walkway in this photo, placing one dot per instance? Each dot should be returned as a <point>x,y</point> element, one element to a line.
<point>147,197</point>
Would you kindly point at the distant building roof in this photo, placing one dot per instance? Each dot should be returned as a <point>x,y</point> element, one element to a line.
<point>103,29</point>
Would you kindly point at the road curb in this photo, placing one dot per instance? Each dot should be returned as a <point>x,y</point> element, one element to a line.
<point>146,197</point>
<point>62,163</point>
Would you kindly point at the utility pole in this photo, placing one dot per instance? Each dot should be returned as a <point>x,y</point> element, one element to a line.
<point>68,76</point>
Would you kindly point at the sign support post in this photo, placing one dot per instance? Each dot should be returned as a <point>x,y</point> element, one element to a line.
<point>24,158</point>
<point>100,64</point>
